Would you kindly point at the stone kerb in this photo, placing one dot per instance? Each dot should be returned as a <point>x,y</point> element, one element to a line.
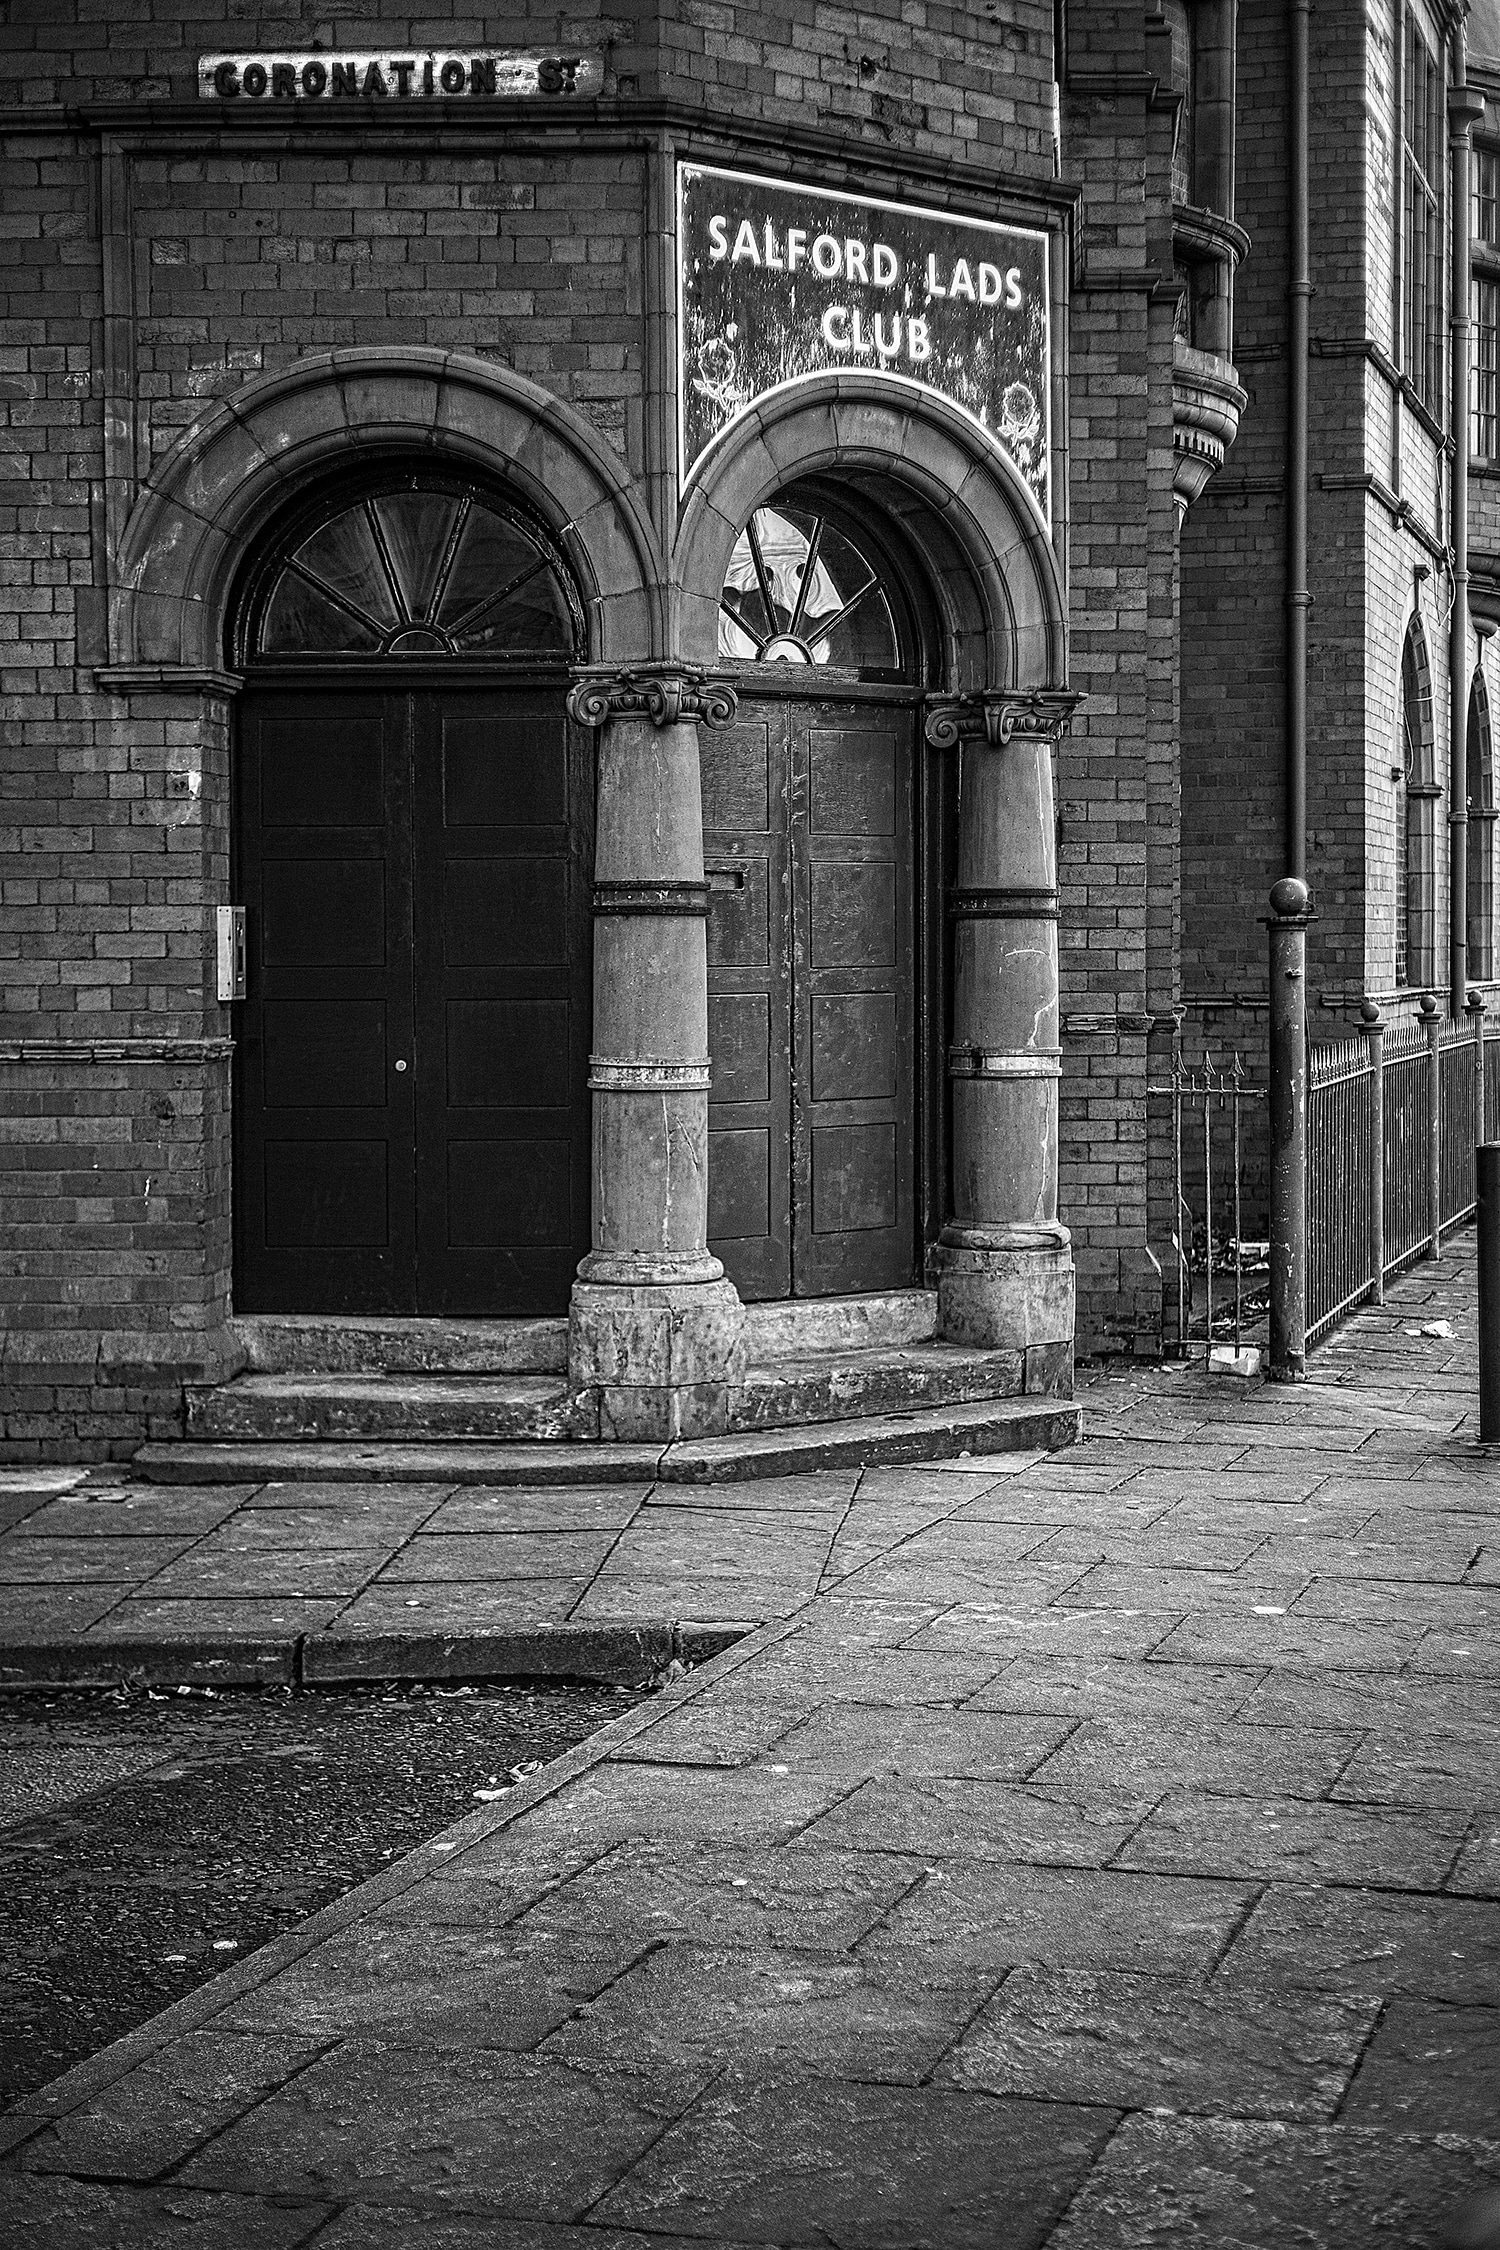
<point>989,559</point>
<point>250,454</point>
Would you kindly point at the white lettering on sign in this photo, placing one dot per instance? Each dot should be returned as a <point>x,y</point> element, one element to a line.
<point>432,74</point>
<point>844,330</point>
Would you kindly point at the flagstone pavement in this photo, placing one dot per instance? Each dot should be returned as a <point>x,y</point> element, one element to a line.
<point>1106,1853</point>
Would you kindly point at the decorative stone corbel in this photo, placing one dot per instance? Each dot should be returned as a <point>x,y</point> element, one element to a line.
<point>666,694</point>
<point>999,716</point>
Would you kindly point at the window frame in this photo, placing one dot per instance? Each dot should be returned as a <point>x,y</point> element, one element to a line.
<point>344,494</point>
<point>1421,275</point>
<point>1417,796</point>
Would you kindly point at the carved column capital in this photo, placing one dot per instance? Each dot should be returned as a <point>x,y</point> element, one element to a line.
<point>665,694</point>
<point>998,716</point>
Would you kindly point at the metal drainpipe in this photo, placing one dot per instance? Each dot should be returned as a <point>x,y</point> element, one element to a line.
<point>1289,899</point>
<point>1298,599</point>
<point>1465,108</point>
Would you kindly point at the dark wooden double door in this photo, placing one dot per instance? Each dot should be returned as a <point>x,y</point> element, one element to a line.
<point>411,1073</point>
<point>808,842</point>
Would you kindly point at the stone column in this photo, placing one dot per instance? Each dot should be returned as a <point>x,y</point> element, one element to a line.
<point>1005,1266</point>
<point>654,1327</point>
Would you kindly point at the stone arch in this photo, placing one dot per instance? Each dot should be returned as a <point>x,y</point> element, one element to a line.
<point>956,495</point>
<point>208,499</point>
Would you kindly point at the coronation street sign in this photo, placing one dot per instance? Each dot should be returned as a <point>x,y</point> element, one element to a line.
<point>397,74</point>
<point>776,281</point>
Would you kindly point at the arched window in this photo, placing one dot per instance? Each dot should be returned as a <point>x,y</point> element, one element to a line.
<point>421,566</point>
<point>1481,833</point>
<point>802,589</point>
<point>1416,821</point>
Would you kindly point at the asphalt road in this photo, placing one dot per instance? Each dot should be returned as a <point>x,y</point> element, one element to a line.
<point>149,1840</point>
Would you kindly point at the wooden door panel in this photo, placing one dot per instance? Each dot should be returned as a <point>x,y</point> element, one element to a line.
<point>739,1041</point>
<point>504,869</point>
<point>853,782</point>
<point>853,1123</point>
<point>856,1187</point>
<point>749,1003</point>
<point>325,1054</point>
<point>326,1195</point>
<point>854,1041</point>
<point>853,918</point>
<point>509,1055</point>
<point>323,913</point>
<point>739,1187</point>
<point>513,1200</point>
<point>506,913</point>
<point>323,1120</point>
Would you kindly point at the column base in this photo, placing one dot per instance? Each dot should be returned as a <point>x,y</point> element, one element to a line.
<point>1008,1294</point>
<point>661,1357</point>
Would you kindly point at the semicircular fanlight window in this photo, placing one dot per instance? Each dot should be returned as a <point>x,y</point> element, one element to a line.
<point>417,572</point>
<point>799,591</point>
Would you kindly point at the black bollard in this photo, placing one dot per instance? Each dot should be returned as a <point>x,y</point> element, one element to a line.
<point>1288,1105</point>
<point>1487,1177</point>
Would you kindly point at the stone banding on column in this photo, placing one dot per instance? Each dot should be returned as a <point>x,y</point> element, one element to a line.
<point>983,1062</point>
<point>649,1076</point>
<point>1019,905</point>
<point>651,898</point>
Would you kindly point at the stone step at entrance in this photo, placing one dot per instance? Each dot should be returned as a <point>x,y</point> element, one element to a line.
<point>266,1409</point>
<point>829,1386</point>
<point>370,1344</point>
<point>373,1344</point>
<point>955,1433</point>
<point>794,1326</point>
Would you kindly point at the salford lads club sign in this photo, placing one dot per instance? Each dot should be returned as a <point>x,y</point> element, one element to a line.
<point>777,282</point>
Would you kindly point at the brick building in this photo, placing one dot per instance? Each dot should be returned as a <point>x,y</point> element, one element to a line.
<point>1391,128</point>
<point>672,564</point>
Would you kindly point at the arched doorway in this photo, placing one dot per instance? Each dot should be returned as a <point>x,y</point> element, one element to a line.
<point>821,843</point>
<point>413,849</point>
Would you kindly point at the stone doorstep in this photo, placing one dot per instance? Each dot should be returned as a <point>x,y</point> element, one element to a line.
<point>1005,1425</point>
<point>371,1344</point>
<point>780,1393</point>
<point>375,1344</point>
<point>617,1655</point>
<point>503,1408</point>
<point>798,1326</point>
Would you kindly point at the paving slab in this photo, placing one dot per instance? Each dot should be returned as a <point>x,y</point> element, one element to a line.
<point>814,2161</point>
<point>172,2103</point>
<point>1140,2042</point>
<point>1332,1939</point>
<point>335,2132</point>
<point>1230,2185</point>
<point>64,2214</point>
<point>1205,1834</point>
<point>1156,1753</point>
<point>1431,2067</point>
<point>746,1893</point>
<point>768,2009</point>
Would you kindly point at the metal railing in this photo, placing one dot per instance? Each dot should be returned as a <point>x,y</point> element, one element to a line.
<point>1422,1095</point>
<point>1208,1111</point>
